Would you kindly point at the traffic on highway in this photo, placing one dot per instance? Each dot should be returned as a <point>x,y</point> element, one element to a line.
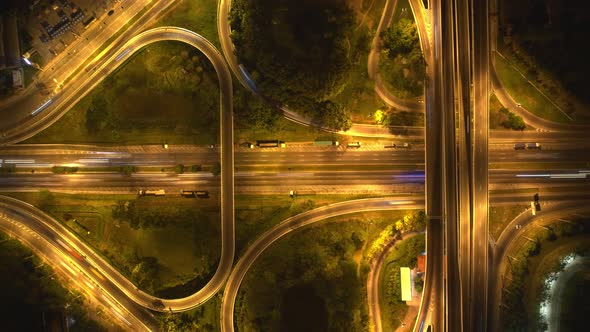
<point>454,168</point>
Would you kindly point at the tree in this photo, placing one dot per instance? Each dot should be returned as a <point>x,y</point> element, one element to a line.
<point>216,169</point>
<point>128,169</point>
<point>400,39</point>
<point>179,169</point>
<point>334,116</point>
<point>309,58</point>
<point>512,121</point>
<point>145,273</point>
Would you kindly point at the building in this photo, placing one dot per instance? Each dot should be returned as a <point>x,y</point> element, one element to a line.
<point>421,263</point>
<point>406,283</point>
<point>9,43</point>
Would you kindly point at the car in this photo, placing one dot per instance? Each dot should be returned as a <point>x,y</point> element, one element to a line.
<point>111,12</point>
<point>519,226</point>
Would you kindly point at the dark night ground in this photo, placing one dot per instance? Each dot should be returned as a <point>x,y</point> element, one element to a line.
<point>303,310</point>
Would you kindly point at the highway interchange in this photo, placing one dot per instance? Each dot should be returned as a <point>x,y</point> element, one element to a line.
<point>416,177</point>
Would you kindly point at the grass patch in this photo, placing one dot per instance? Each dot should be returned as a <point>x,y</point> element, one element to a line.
<point>199,16</point>
<point>319,263</point>
<point>528,262</point>
<point>540,266</point>
<point>257,213</point>
<point>205,317</point>
<point>186,251</point>
<point>402,71</point>
<point>405,253</point>
<point>500,216</point>
<point>575,302</point>
<point>167,92</point>
<point>523,92</point>
<point>37,298</point>
<point>359,95</point>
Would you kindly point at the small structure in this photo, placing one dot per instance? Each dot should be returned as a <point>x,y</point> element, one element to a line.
<point>421,265</point>
<point>406,283</point>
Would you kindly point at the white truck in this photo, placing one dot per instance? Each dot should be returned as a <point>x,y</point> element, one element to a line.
<point>157,192</point>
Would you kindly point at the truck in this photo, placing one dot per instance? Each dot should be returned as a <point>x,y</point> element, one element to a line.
<point>157,192</point>
<point>88,22</point>
<point>532,146</point>
<point>187,193</point>
<point>271,143</point>
<point>354,144</point>
<point>519,146</point>
<point>326,143</point>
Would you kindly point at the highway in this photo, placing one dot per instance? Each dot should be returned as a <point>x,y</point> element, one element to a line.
<point>476,303</point>
<point>439,181</point>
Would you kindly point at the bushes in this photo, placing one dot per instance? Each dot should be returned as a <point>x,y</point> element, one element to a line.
<point>128,169</point>
<point>64,170</point>
<point>512,121</point>
<point>291,59</point>
<point>409,223</point>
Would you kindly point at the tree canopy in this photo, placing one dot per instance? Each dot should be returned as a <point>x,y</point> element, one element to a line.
<point>292,59</point>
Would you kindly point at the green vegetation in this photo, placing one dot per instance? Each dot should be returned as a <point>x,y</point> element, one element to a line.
<point>545,268</point>
<point>168,246</point>
<point>323,266</point>
<point>64,170</point>
<point>387,116</point>
<point>203,318</point>
<point>321,272</point>
<point>519,307</point>
<point>258,213</point>
<point>500,216</point>
<point>575,303</point>
<point>34,296</point>
<point>168,92</point>
<point>524,93</point>
<point>405,253</point>
<point>402,64</point>
<point>301,63</point>
<point>199,16</point>
<point>545,41</point>
<point>512,121</point>
<point>128,169</point>
<point>409,223</point>
<point>496,119</point>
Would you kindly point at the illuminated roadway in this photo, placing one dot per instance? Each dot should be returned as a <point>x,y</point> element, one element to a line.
<point>65,99</point>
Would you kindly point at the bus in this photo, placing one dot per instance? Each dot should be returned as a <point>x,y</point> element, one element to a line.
<point>270,143</point>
